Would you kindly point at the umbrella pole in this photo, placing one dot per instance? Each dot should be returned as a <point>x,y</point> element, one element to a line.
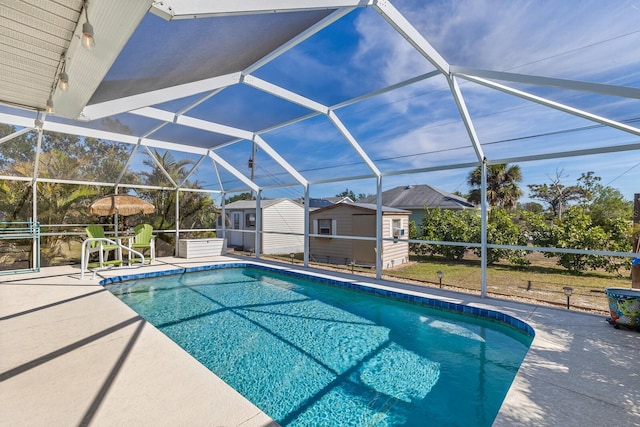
<point>116,221</point>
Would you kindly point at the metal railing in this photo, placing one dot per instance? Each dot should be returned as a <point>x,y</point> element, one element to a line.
<point>16,231</point>
<point>84,260</point>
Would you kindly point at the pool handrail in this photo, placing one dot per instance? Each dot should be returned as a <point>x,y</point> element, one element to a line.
<point>84,260</point>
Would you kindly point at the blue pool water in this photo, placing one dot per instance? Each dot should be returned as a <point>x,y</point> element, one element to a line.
<point>309,354</point>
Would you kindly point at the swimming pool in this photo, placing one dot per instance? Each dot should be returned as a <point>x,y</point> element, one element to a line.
<point>309,354</point>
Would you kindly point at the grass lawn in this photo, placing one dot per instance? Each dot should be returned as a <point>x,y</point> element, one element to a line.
<point>541,282</point>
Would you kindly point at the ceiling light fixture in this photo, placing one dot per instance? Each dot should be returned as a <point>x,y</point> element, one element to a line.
<point>87,31</point>
<point>63,77</point>
<point>64,81</point>
<point>49,105</point>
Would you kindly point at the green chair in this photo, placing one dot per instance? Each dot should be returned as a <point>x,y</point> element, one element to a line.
<point>143,239</point>
<point>102,247</point>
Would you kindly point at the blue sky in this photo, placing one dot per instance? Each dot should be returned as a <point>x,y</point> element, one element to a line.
<point>419,126</point>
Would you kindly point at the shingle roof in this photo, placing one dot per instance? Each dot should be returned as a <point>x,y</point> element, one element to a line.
<point>419,196</point>
<point>251,204</point>
<point>365,206</point>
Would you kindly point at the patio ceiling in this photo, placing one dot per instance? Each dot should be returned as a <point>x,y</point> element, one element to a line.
<point>204,77</point>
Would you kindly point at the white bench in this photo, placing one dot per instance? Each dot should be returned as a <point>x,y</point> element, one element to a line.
<point>194,248</point>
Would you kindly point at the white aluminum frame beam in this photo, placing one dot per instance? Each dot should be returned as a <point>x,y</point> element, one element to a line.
<point>160,166</point>
<point>224,130</point>
<point>88,132</point>
<point>285,94</point>
<point>128,103</point>
<point>315,28</point>
<point>133,152</point>
<point>215,169</point>
<point>15,120</point>
<point>15,134</point>
<point>413,36</point>
<point>387,89</point>
<point>193,169</point>
<point>466,118</point>
<point>433,169</point>
<point>342,179</point>
<point>345,132</point>
<point>603,89</point>
<point>352,101</point>
<point>282,162</point>
<point>214,127</point>
<point>276,53</point>
<point>173,146</point>
<point>191,9</point>
<point>565,154</point>
<point>555,105</point>
<point>235,172</point>
<point>103,184</point>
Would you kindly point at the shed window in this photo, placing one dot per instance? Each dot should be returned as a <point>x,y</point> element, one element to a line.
<point>327,227</point>
<point>250,220</point>
<point>396,225</point>
<point>324,227</point>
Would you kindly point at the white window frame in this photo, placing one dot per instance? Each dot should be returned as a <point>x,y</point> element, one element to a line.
<point>332,228</point>
<point>250,220</point>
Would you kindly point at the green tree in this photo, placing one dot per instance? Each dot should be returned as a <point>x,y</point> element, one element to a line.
<point>556,195</point>
<point>501,230</point>
<point>531,207</point>
<point>347,193</point>
<point>15,201</point>
<point>536,228</point>
<point>197,210</point>
<point>20,149</point>
<point>609,205</point>
<point>62,156</point>
<point>589,184</point>
<point>60,203</point>
<point>502,185</point>
<point>450,226</point>
<point>576,231</point>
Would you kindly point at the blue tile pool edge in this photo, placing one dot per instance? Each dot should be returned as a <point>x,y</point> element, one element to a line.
<point>485,313</point>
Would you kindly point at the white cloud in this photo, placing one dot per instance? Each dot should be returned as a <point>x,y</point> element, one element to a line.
<point>592,41</point>
<point>574,38</point>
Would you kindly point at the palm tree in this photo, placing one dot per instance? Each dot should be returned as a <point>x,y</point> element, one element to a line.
<point>502,185</point>
<point>197,210</point>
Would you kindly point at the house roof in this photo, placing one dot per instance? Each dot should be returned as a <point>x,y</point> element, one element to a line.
<point>364,206</point>
<point>251,204</point>
<point>419,196</point>
<point>327,201</point>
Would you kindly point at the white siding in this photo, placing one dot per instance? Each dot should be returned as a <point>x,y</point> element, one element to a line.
<point>395,252</point>
<point>248,239</point>
<point>284,217</point>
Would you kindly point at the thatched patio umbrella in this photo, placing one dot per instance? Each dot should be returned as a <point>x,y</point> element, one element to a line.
<point>120,204</point>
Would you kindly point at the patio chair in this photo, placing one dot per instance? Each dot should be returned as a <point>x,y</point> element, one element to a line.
<point>141,240</point>
<point>96,232</point>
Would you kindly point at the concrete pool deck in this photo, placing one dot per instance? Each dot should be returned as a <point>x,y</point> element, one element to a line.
<point>73,354</point>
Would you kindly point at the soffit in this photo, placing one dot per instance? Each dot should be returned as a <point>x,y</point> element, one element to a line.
<point>37,37</point>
